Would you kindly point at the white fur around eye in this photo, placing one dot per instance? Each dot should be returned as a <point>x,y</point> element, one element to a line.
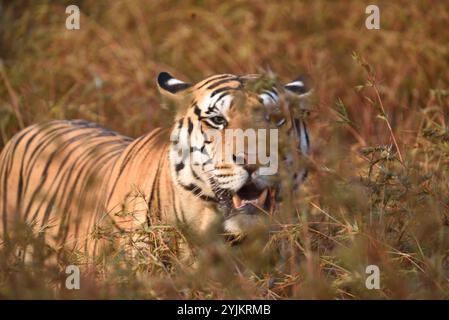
<point>224,103</point>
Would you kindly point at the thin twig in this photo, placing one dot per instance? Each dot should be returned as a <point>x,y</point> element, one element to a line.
<point>376,90</point>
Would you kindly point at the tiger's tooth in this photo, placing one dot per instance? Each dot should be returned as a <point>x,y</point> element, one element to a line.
<point>236,201</point>
<point>262,197</point>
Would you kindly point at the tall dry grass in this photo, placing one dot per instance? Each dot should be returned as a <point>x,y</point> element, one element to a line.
<point>377,192</point>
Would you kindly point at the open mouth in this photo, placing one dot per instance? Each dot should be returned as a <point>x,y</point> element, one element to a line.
<point>250,195</point>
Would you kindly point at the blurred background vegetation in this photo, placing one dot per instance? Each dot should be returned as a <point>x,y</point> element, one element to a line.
<point>365,202</point>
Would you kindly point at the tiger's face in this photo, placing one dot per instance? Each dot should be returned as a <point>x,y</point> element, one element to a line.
<point>224,143</point>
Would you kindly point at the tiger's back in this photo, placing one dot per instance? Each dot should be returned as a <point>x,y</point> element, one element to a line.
<point>51,175</point>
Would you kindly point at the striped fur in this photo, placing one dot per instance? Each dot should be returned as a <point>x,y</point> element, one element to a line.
<point>67,178</point>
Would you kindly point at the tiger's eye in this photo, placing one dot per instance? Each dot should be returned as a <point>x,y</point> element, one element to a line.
<point>218,120</point>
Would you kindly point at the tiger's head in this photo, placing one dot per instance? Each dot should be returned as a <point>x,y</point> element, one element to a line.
<point>224,142</point>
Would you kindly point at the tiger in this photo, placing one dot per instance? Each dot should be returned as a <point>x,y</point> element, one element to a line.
<point>64,177</point>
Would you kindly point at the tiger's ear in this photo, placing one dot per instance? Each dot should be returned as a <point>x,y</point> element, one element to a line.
<point>170,86</point>
<point>298,87</point>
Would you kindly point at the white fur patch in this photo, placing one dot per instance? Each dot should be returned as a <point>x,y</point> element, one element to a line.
<point>174,81</point>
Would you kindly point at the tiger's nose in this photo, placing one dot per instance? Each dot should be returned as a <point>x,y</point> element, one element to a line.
<point>250,168</point>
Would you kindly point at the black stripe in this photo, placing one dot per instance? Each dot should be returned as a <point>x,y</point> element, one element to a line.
<point>217,91</point>
<point>130,153</point>
<point>179,166</point>
<point>190,126</point>
<point>180,123</point>
<point>215,78</point>
<point>221,96</point>
<point>194,174</point>
<point>197,192</point>
<point>155,182</point>
<point>197,111</point>
<point>216,84</point>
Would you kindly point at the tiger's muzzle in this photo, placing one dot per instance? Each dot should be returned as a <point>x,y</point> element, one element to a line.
<point>256,196</point>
